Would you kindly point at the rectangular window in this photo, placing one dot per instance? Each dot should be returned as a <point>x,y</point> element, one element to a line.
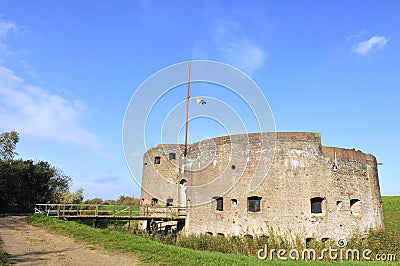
<point>170,202</point>
<point>154,201</point>
<point>316,205</point>
<point>220,204</point>
<point>157,160</point>
<point>172,156</point>
<point>254,204</point>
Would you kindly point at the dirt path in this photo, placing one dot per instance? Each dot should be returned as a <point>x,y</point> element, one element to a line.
<point>29,245</point>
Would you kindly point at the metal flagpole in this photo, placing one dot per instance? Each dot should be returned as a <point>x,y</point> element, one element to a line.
<point>187,110</point>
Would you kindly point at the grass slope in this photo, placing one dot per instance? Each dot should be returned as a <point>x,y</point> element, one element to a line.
<point>391,212</point>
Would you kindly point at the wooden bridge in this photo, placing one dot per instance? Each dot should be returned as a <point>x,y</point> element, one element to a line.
<point>115,212</point>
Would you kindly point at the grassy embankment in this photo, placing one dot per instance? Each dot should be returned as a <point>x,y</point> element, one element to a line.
<point>153,252</point>
<point>391,212</point>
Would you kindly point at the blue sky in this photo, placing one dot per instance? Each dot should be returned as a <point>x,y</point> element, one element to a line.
<point>69,68</point>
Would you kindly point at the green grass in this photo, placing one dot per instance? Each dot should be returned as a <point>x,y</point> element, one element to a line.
<point>153,252</point>
<point>122,210</point>
<point>391,212</point>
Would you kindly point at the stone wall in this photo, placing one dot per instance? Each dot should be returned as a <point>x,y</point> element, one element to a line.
<point>287,170</point>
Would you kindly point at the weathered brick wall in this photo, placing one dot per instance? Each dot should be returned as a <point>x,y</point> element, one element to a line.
<point>300,169</point>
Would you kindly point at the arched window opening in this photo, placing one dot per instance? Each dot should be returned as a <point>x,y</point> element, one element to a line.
<point>355,207</point>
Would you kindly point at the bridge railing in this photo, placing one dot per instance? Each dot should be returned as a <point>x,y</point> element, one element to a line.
<point>97,210</point>
<point>65,210</point>
<point>162,211</point>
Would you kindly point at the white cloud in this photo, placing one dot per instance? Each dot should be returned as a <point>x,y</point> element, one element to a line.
<point>363,48</point>
<point>236,48</point>
<point>41,114</point>
<point>7,27</point>
<point>230,44</point>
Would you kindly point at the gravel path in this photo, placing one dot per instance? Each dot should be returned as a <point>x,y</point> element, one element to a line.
<point>29,245</point>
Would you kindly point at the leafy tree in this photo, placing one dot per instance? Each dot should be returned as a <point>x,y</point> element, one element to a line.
<point>66,197</point>
<point>124,200</point>
<point>23,183</point>
<point>58,184</point>
<point>8,143</point>
<point>94,201</point>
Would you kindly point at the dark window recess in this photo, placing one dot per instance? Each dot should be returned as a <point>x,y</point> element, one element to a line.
<point>254,204</point>
<point>157,160</point>
<point>316,205</point>
<point>172,156</point>
<point>154,201</point>
<point>170,202</point>
<point>220,204</point>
